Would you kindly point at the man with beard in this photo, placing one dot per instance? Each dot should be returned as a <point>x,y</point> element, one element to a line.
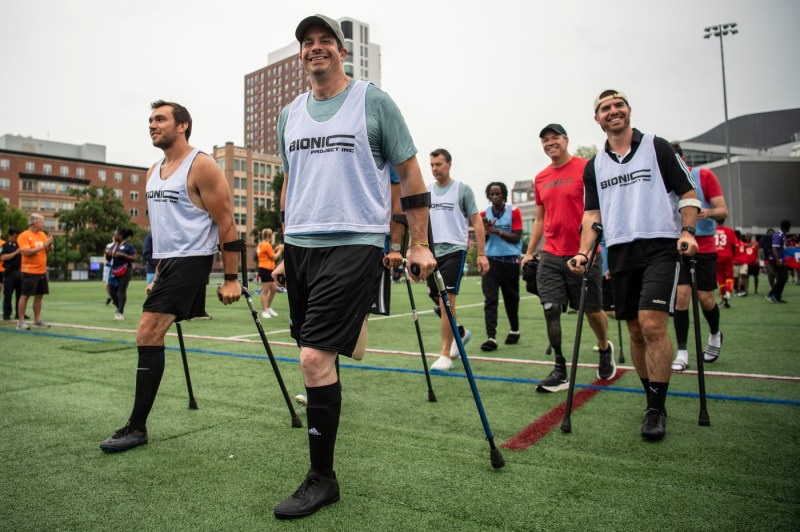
<point>191,212</point>
<point>643,193</point>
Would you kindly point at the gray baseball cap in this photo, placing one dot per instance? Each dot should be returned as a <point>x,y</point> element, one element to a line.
<point>319,20</point>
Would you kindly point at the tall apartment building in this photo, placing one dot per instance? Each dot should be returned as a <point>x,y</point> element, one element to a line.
<point>36,175</point>
<point>269,89</point>
<point>249,175</point>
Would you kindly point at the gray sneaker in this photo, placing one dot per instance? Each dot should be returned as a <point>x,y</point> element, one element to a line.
<point>22,326</point>
<point>40,324</point>
<point>606,369</point>
<point>555,382</point>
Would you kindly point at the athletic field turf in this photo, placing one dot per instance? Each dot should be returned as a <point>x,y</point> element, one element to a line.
<point>403,463</point>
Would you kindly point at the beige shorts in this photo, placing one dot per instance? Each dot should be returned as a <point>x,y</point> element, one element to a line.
<point>739,270</point>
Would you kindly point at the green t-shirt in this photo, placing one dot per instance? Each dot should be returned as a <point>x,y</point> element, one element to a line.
<point>389,140</point>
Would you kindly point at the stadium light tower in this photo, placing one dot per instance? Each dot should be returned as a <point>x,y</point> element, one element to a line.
<point>721,30</point>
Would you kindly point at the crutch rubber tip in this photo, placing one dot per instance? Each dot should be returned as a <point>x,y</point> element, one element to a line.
<point>431,397</point>
<point>192,405</point>
<point>566,426</point>
<point>497,459</point>
<point>703,421</point>
<point>296,423</point>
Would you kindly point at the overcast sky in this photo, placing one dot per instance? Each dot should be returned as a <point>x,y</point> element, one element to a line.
<point>478,78</point>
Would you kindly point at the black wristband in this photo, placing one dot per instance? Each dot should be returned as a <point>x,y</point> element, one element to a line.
<point>688,229</point>
<point>231,276</point>
<point>416,201</point>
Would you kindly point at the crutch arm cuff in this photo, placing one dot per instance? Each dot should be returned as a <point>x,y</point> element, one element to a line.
<point>234,245</point>
<point>416,201</point>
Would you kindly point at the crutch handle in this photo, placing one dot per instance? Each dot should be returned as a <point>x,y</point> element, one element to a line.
<point>684,246</point>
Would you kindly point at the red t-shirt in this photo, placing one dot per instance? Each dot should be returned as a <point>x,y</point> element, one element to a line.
<point>560,192</point>
<point>726,241</point>
<point>711,189</point>
<point>751,253</point>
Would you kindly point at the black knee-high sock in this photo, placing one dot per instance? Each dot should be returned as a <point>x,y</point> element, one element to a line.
<point>322,413</point>
<point>657,396</point>
<point>646,386</point>
<point>681,323</point>
<point>712,317</point>
<point>148,377</point>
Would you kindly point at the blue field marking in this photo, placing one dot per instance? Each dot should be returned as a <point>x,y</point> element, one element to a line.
<point>517,380</point>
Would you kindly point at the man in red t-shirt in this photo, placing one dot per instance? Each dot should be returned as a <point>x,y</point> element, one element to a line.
<point>714,208</point>
<point>725,240</point>
<point>753,266</point>
<point>559,211</point>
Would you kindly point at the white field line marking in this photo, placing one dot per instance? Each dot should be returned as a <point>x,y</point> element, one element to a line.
<point>241,340</point>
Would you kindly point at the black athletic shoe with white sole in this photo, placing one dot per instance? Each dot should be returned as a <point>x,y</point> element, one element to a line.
<point>315,492</point>
<point>125,438</point>
<point>654,424</point>
<point>555,382</point>
<point>606,369</point>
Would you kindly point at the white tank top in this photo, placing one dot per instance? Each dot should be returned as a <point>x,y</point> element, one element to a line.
<point>334,184</point>
<point>634,202</point>
<point>447,221</point>
<point>179,228</point>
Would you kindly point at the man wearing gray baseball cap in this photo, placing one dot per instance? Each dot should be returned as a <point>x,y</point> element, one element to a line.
<point>338,142</point>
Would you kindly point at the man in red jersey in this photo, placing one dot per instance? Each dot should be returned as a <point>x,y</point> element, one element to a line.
<point>559,210</point>
<point>726,243</point>
<point>713,208</point>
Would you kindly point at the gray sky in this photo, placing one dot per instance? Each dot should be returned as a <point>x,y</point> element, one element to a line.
<point>478,78</point>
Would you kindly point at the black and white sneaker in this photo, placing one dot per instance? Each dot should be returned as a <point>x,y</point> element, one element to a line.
<point>315,492</point>
<point>711,353</point>
<point>125,438</point>
<point>489,345</point>
<point>555,382</point>
<point>654,424</point>
<point>512,338</point>
<point>606,369</point>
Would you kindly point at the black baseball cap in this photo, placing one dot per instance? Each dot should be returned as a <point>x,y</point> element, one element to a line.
<point>555,128</point>
<point>319,20</point>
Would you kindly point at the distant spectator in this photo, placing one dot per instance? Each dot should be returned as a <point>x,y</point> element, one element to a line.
<point>779,239</point>
<point>34,245</point>
<point>122,256</point>
<point>12,277</point>
<point>149,261</point>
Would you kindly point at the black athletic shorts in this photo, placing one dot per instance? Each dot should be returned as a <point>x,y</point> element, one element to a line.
<point>706,272</point>
<point>265,275</point>
<point>383,294</point>
<point>180,287</point>
<point>557,284</point>
<point>34,284</point>
<point>330,291</point>
<point>650,287</point>
<point>608,295</point>
<point>451,266</point>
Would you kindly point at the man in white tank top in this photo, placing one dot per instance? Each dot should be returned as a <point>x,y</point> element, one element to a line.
<point>191,210</point>
<point>336,204</point>
<point>633,185</point>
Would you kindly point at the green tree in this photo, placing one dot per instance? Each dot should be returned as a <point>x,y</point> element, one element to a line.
<point>12,217</point>
<point>586,152</point>
<point>271,218</point>
<point>90,225</point>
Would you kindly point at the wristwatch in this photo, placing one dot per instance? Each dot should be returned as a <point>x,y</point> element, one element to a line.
<point>688,229</point>
<point>395,247</point>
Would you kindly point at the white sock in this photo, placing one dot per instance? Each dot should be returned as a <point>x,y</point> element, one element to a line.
<point>683,354</point>
<point>714,340</point>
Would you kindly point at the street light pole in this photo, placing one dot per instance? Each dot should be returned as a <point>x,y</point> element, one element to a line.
<point>719,31</point>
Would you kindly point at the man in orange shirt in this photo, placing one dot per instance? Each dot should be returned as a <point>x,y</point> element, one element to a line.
<point>34,245</point>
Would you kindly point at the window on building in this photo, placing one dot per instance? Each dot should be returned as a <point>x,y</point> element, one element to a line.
<point>28,185</point>
<point>347,29</point>
<point>134,178</point>
<point>29,205</point>
<point>118,177</point>
<point>221,164</point>
<point>63,188</point>
<point>134,212</point>
<point>47,169</point>
<point>269,204</point>
<point>5,183</point>
<point>118,193</point>
<point>134,195</point>
<point>48,186</point>
<point>47,205</point>
<point>5,164</point>
<point>66,206</point>
<point>30,166</point>
<point>50,224</point>
<point>64,170</point>
<point>81,172</point>
<point>101,175</point>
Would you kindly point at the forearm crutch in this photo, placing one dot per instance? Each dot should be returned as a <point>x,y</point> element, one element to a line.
<point>495,456</point>
<point>566,424</point>
<point>621,348</point>
<point>702,419</point>
<point>192,402</point>
<point>239,245</point>
<point>401,218</point>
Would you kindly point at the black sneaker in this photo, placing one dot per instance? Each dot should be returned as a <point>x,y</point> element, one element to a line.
<point>315,492</point>
<point>489,345</point>
<point>512,338</point>
<point>654,425</point>
<point>606,369</point>
<point>555,382</point>
<point>125,438</point>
